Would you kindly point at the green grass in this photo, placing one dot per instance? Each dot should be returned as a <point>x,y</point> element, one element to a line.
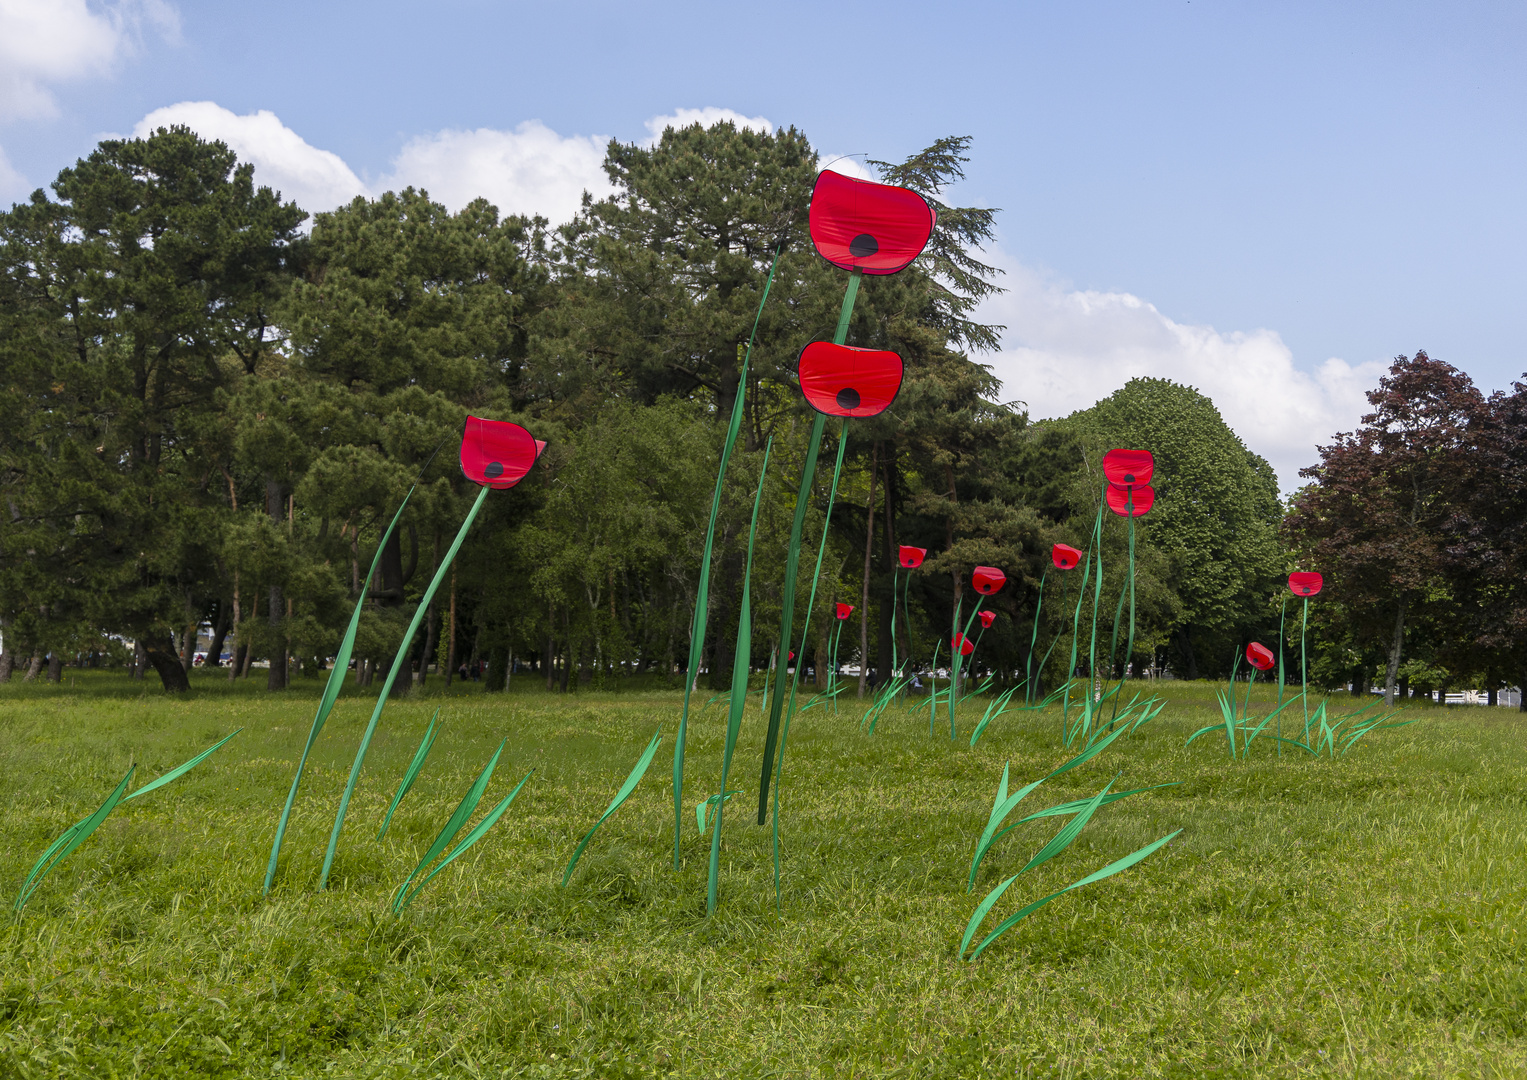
<point>1315,918</point>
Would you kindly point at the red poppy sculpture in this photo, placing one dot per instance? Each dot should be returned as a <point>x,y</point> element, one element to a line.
<point>1260,656</point>
<point>963,645</point>
<point>1131,501</point>
<point>840,380</point>
<point>496,453</point>
<point>987,618</point>
<point>912,557</point>
<point>1305,583</point>
<point>1065,557</point>
<point>1128,467</point>
<point>845,610</point>
<point>987,580</point>
<point>862,225</point>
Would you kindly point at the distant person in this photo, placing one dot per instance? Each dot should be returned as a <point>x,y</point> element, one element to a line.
<point>461,671</point>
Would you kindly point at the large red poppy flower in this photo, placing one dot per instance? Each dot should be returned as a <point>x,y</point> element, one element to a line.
<point>912,557</point>
<point>987,618</point>
<point>1065,557</point>
<point>862,225</point>
<point>1305,583</point>
<point>1128,466</point>
<point>1260,656</point>
<point>841,380</point>
<point>964,644</point>
<point>845,610</point>
<point>988,580</point>
<point>497,454</point>
<point>1131,501</point>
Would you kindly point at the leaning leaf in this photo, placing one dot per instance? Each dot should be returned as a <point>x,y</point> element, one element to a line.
<point>1107,871</point>
<point>72,838</point>
<point>621,796</point>
<point>471,838</point>
<point>179,770</point>
<point>411,773</point>
<point>1069,832</point>
<point>464,811</point>
<point>979,915</point>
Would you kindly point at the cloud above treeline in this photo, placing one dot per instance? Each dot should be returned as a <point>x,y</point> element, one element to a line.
<point>1066,348</point>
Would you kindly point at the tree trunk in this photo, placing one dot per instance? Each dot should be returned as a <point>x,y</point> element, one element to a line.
<point>33,667</point>
<point>7,664</point>
<point>1185,650</point>
<point>883,648</point>
<point>55,668</point>
<point>159,651</point>
<point>220,627</point>
<point>188,646</point>
<point>1394,655</point>
<point>450,635</point>
<point>864,597</point>
<point>275,509</point>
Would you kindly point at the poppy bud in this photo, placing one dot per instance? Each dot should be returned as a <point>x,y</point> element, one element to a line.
<point>1260,656</point>
<point>1065,557</point>
<point>497,454</point>
<point>1305,583</point>
<point>963,644</point>
<point>1128,467</point>
<point>1131,501</point>
<point>845,610</point>
<point>912,557</point>
<point>987,618</point>
<point>988,580</point>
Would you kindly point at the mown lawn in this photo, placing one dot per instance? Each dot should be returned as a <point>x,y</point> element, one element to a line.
<point>1357,917</point>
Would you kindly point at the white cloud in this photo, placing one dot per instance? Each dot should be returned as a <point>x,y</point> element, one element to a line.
<point>51,41</point>
<point>706,117</point>
<point>13,186</point>
<point>530,170</point>
<point>315,179</point>
<point>1065,349</point>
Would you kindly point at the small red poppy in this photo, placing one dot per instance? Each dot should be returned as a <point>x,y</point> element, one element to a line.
<point>790,657</point>
<point>845,610</point>
<point>1065,557</point>
<point>988,580</point>
<point>987,618</point>
<point>1305,583</point>
<point>1131,501</point>
<point>841,380</point>
<point>1128,466</point>
<point>497,454</point>
<point>1260,656</point>
<point>912,557</point>
<point>862,225</point>
<point>964,644</point>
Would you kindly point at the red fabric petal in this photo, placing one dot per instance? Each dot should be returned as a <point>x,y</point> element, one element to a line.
<point>1065,557</point>
<point>1119,499</point>
<point>845,610</point>
<point>497,454</point>
<point>1305,583</point>
<point>840,380</point>
<point>964,644</point>
<point>987,580</point>
<point>912,557</point>
<point>859,224</point>
<point>1260,656</point>
<point>987,618</point>
<point>1128,466</point>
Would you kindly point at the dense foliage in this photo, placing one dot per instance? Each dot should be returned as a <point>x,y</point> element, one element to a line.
<point>211,414</point>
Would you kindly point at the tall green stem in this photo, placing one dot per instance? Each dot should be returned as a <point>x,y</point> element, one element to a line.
<point>399,662</point>
<point>702,594</point>
<point>793,558</point>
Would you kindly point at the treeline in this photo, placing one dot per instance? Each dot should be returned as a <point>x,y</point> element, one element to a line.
<point>213,410</point>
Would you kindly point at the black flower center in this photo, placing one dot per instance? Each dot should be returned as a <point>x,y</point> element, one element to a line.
<point>1129,478</point>
<point>848,398</point>
<point>494,470</point>
<point>863,246</point>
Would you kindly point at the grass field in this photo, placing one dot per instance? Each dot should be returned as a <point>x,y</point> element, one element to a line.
<point>1315,918</point>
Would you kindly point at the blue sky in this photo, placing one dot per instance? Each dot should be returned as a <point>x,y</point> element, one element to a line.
<point>1267,201</point>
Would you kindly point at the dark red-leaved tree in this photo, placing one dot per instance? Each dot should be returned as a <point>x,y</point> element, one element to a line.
<point>1490,550</point>
<point>1381,512</point>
